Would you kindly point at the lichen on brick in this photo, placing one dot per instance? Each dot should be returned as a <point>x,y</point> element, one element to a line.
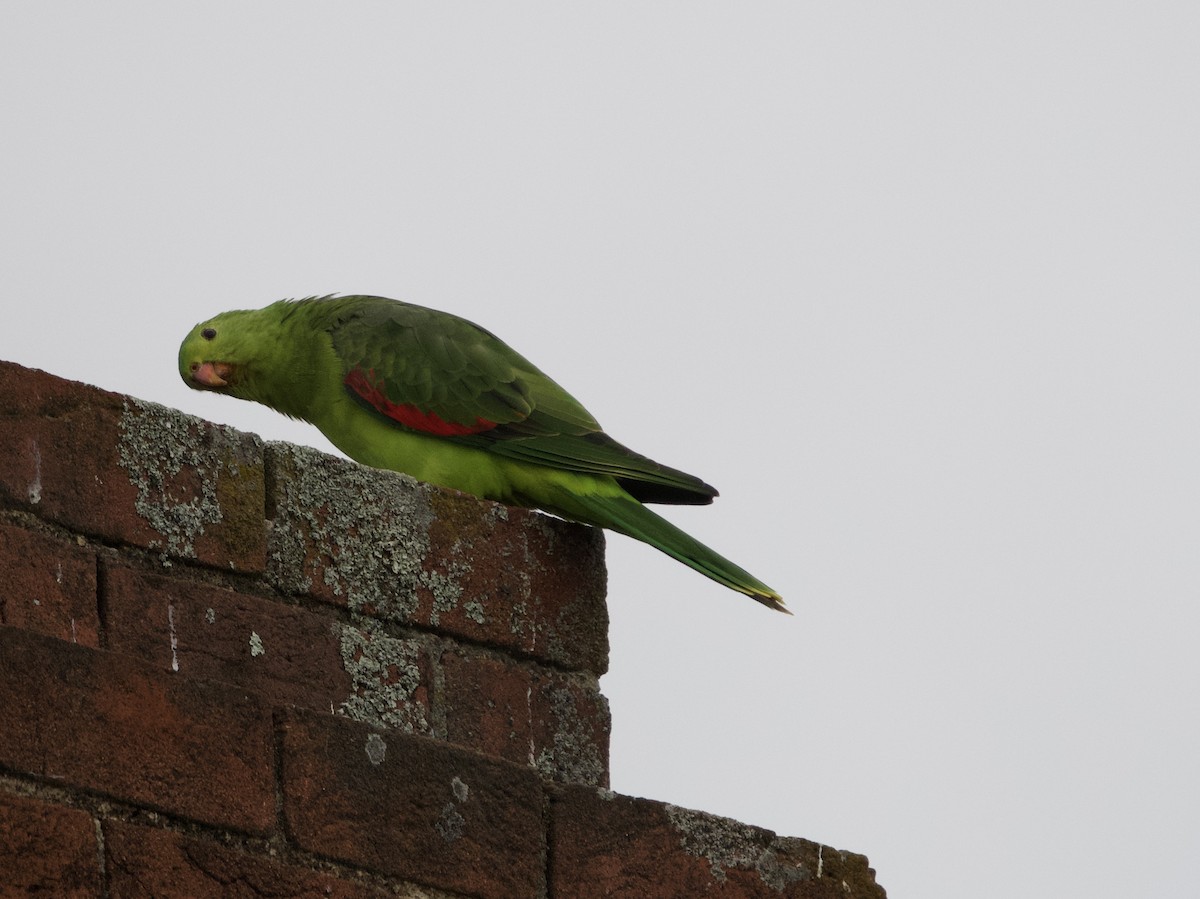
<point>376,749</point>
<point>518,618</point>
<point>385,545</point>
<point>445,589</point>
<point>450,824</point>
<point>359,533</point>
<point>385,675</point>
<point>156,444</point>
<point>573,756</point>
<point>34,491</point>
<point>728,844</point>
<point>189,475</point>
<point>778,874</point>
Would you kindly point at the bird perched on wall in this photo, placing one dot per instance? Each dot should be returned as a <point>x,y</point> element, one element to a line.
<point>402,387</point>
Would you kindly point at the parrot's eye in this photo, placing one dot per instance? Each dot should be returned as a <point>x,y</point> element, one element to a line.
<point>208,333</point>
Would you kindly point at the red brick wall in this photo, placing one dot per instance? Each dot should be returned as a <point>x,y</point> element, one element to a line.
<point>230,668</point>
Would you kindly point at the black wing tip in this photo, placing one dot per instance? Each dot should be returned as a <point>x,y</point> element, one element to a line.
<point>646,491</point>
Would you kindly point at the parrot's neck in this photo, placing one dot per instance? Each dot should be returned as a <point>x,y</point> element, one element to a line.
<point>290,368</point>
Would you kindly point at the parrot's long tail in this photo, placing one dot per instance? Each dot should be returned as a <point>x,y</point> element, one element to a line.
<point>629,517</point>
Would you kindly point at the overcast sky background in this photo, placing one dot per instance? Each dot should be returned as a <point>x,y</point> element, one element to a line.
<point>915,285</point>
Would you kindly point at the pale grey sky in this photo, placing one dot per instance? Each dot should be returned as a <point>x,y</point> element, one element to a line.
<point>914,285</point>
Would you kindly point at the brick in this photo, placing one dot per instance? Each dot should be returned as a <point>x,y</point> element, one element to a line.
<point>47,850</point>
<point>123,728</point>
<point>48,585</point>
<point>387,546</point>
<point>152,863</point>
<point>125,470</point>
<point>286,654</point>
<point>539,581</point>
<point>412,807</point>
<point>605,844</point>
<point>558,724</point>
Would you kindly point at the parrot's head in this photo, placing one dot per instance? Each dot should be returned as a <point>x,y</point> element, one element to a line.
<point>261,355</point>
<point>216,353</point>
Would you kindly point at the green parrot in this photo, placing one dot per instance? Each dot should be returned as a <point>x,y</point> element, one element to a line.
<point>402,387</point>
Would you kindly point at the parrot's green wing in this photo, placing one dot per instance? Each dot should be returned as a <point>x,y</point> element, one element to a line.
<point>438,374</point>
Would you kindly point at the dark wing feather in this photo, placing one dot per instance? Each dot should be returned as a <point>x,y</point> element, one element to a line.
<point>437,373</point>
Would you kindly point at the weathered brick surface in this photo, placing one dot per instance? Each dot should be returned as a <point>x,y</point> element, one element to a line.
<point>539,581</point>
<point>288,655</point>
<point>527,714</point>
<point>412,612</point>
<point>124,728</point>
<point>125,470</point>
<point>388,546</point>
<point>48,585</point>
<point>413,808</point>
<point>610,845</point>
<point>150,863</point>
<point>47,850</point>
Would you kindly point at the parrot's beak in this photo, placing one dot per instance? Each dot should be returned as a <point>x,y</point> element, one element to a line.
<point>211,375</point>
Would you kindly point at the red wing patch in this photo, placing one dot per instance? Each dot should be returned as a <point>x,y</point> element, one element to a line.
<point>370,389</point>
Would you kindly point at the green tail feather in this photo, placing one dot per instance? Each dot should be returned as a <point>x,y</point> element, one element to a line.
<point>629,517</point>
